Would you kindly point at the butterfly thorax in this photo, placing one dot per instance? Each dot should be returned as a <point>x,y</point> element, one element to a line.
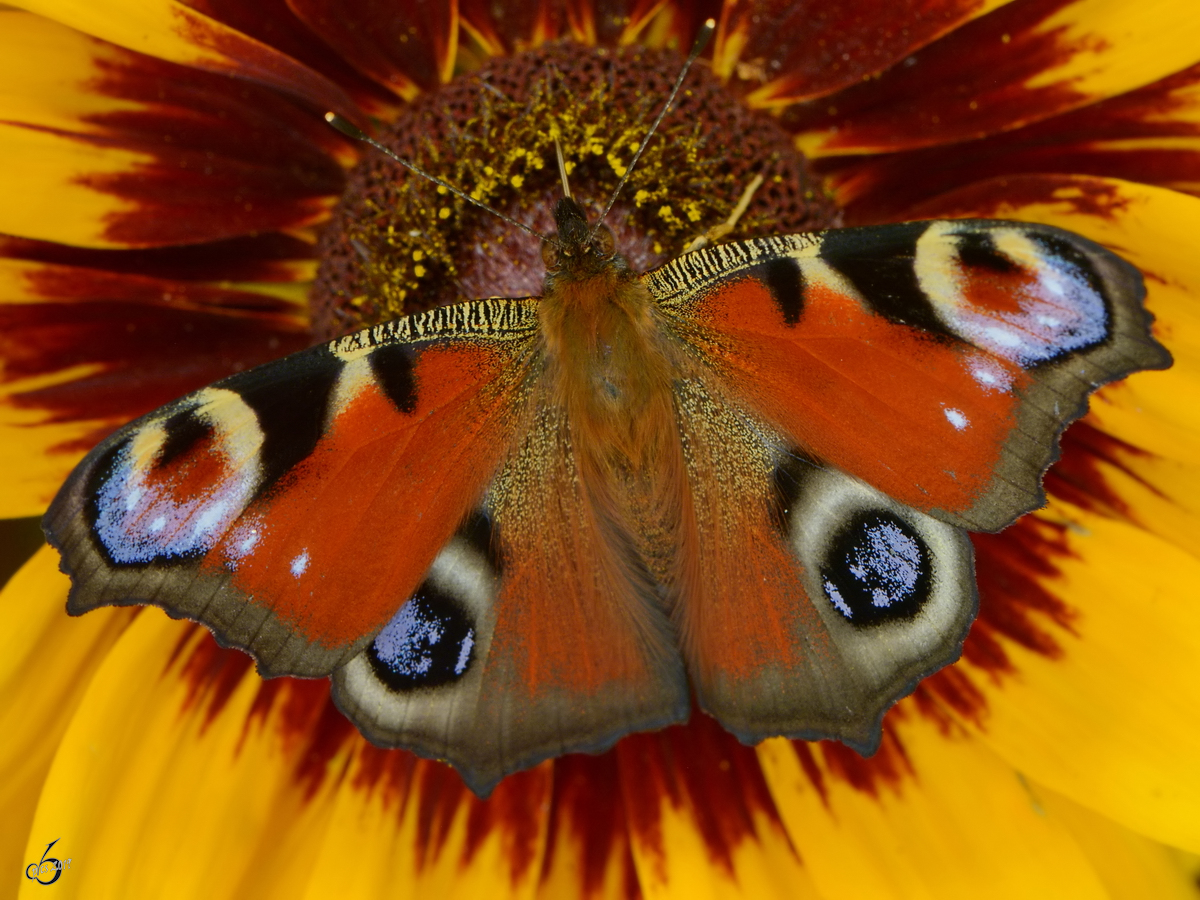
<point>608,362</point>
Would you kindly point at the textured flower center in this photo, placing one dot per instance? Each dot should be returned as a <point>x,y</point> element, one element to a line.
<point>399,243</point>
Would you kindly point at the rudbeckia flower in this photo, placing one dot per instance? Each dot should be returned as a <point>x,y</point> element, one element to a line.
<point>176,210</point>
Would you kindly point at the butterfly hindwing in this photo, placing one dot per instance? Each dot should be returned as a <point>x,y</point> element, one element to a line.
<point>818,601</point>
<point>552,637</point>
<point>938,361</point>
<point>294,507</point>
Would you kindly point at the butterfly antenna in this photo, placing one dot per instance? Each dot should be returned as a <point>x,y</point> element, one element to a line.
<point>706,32</point>
<point>348,128</point>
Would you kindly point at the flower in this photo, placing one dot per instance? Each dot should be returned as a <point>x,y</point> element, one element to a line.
<point>166,176</point>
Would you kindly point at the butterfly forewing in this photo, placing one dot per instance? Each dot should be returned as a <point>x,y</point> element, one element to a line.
<point>293,508</point>
<point>937,361</point>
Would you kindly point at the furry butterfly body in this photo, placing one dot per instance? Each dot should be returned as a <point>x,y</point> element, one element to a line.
<point>511,529</point>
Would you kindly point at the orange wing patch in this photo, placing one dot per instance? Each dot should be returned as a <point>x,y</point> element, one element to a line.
<point>345,537</point>
<point>899,408</point>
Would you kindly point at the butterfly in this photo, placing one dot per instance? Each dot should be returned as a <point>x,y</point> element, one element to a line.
<point>515,528</point>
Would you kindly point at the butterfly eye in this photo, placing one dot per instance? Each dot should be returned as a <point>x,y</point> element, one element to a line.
<point>604,242</point>
<point>550,255</point>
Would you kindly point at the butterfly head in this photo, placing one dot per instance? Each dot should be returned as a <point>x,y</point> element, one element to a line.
<point>578,250</point>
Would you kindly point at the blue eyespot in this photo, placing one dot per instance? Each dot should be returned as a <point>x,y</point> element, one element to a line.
<point>429,642</point>
<point>877,569</point>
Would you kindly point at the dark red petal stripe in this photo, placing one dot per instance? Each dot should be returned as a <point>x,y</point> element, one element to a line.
<point>230,158</point>
<point>261,257</point>
<point>258,62</point>
<point>888,767</point>
<point>601,22</point>
<point>704,768</point>
<point>396,43</point>
<point>515,26</point>
<point>273,23</point>
<point>612,17</point>
<point>1078,477</point>
<point>885,187</point>
<point>811,48</point>
<point>971,83</point>
<point>589,807</point>
<point>1015,570</point>
<point>1086,196</point>
<point>149,351</point>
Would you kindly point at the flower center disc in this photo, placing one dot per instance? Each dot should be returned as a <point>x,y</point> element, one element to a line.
<point>398,243</point>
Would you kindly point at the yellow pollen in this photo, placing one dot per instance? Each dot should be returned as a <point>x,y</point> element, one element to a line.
<point>418,255</point>
<point>419,271</point>
<point>517,180</point>
<point>444,212</point>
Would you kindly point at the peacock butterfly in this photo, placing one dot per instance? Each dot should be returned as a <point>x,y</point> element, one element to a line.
<point>514,528</point>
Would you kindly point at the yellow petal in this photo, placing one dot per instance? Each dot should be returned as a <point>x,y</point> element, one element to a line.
<point>1118,46</point>
<point>961,823</point>
<point>43,182</point>
<point>1132,867</point>
<point>228,803</point>
<point>52,152</point>
<point>701,823</point>
<point>1111,722</point>
<point>53,92</point>
<point>431,837</point>
<point>149,790</point>
<point>682,867</point>
<point>37,452</point>
<point>46,662</point>
<point>172,31</point>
